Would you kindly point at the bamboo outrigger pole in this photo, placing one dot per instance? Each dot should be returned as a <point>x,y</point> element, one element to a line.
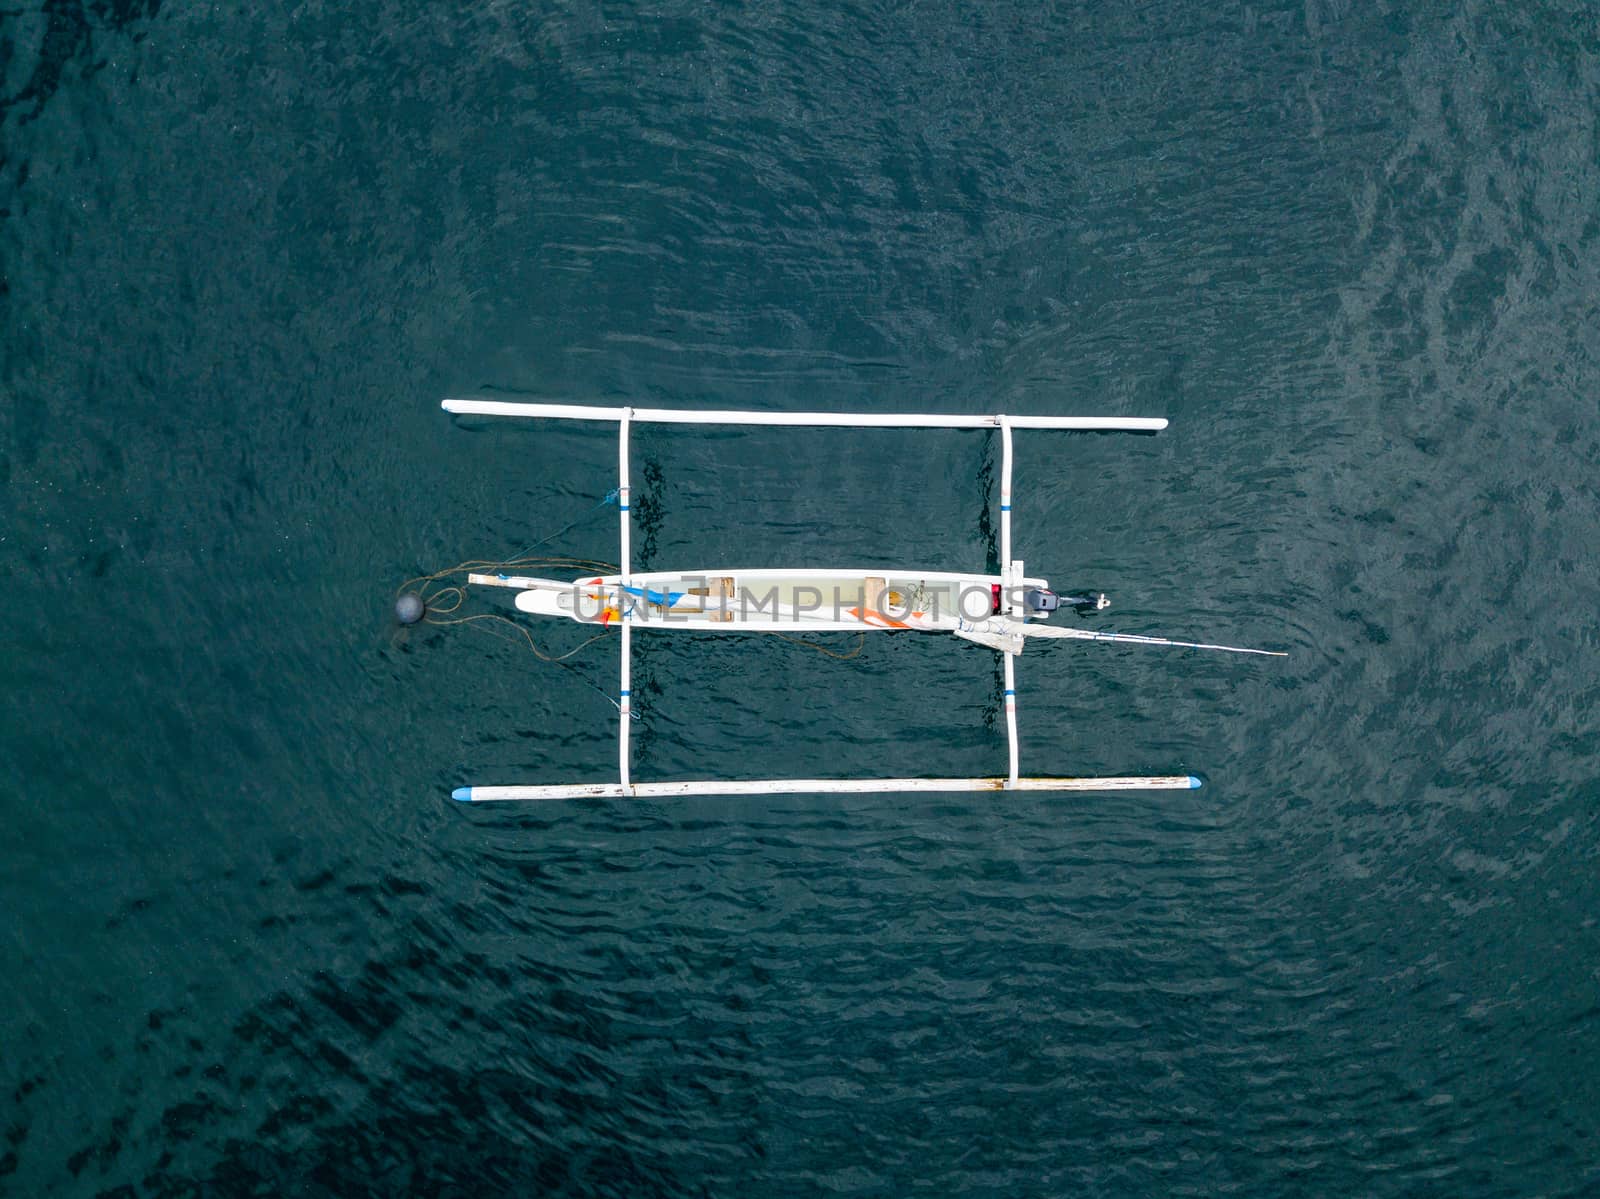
<point>1179,782</point>
<point>839,420</point>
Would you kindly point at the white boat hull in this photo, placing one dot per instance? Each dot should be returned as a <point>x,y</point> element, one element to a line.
<point>767,600</point>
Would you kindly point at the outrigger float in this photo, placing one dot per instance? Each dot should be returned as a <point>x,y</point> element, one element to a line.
<point>1000,612</point>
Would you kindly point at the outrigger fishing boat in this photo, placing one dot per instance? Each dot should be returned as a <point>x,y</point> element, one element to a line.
<point>998,611</point>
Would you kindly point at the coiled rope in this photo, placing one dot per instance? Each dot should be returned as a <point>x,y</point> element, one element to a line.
<point>441,598</point>
<point>439,603</point>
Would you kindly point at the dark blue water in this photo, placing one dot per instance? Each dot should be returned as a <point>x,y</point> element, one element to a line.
<point>251,946</point>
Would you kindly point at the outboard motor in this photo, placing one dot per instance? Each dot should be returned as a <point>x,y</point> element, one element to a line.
<point>1036,602</point>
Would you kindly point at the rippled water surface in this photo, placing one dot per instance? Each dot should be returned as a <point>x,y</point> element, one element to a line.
<point>251,946</point>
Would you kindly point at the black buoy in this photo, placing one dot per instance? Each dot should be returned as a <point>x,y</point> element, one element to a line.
<point>408,609</point>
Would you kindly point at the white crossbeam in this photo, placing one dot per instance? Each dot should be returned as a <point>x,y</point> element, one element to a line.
<point>1012,571</point>
<point>625,688</point>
